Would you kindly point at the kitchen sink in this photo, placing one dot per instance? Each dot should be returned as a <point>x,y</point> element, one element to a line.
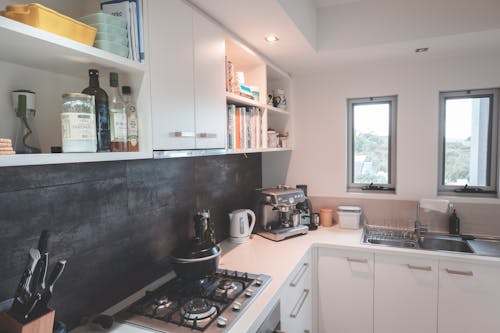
<point>394,242</point>
<point>408,239</point>
<point>444,243</point>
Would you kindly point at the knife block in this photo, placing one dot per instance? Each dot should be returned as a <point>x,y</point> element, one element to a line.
<point>42,324</point>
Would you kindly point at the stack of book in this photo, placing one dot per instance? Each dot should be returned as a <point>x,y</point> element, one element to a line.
<point>132,11</point>
<point>246,128</point>
<point>235,82</point>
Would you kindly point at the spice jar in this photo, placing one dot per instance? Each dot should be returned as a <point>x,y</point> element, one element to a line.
<point>326,217</point>
<point>78,125</point>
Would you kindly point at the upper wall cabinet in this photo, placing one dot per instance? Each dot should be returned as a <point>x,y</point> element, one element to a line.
<point>51,65</point>
<point>187,78</point>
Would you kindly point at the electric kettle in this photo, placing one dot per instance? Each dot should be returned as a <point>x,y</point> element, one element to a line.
<point>239,226</point>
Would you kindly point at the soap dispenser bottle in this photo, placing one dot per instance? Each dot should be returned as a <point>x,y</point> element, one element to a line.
<point>454,224</point>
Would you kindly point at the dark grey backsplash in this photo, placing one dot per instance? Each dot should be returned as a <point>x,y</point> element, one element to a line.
<point>115,222</point>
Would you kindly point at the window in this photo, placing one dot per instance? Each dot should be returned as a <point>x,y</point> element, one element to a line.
<point>468,135</point>
<point>371,144</point>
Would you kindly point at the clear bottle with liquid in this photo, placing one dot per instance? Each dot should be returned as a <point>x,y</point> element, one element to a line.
<point>132,120</point>
<point>117,116</point>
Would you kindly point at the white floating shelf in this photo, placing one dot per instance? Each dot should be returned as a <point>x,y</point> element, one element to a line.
<point>256,150</point>
<point>39,159</point>
<point>25,45</point>
<point>239,100</point>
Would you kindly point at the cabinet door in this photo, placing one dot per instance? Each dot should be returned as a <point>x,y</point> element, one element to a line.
<point>210,91</point>
<point>345,291</point>
<point>469,296</point>
<point>406,291</point>
<point>171,69</point>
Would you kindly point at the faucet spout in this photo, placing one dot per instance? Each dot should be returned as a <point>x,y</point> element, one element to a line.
<point>419,227</point>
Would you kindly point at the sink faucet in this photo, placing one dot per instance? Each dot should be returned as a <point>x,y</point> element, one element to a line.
<point>419,227</point>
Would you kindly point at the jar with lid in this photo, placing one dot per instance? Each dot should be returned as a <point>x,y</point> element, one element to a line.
<point>78,123</point>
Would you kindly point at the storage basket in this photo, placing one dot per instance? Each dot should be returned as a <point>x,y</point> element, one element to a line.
<point>44,18</point>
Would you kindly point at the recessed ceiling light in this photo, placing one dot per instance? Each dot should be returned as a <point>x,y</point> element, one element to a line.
<point>271,38</point>
<point>422,50</point>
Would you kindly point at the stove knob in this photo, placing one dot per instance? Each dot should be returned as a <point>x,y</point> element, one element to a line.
<point>258,282</point>
<point>236,306</point>
<point>221,322</point>
<point>249,293</point>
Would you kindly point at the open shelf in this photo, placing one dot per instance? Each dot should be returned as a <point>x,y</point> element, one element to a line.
<point>39,159</point>
<point>25,45</point>
<point>243,101</point>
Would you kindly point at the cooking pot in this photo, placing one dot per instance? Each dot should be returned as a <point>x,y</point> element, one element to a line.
<point>199,257</point>
<point>195,261</point>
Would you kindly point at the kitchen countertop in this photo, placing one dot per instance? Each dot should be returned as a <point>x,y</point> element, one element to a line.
<point>278,259</point>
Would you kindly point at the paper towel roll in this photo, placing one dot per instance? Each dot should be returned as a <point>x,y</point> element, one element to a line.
<point>437,205</point>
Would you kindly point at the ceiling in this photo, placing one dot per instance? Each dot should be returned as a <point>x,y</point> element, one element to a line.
<point>319,34</point>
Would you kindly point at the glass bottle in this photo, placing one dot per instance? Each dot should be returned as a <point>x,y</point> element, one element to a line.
<point>101,109</point>
<point>132,120</point>
<point>118,116</point>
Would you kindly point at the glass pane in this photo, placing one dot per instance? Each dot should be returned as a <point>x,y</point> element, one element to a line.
<point>467,148</point>
<point>371,143</point>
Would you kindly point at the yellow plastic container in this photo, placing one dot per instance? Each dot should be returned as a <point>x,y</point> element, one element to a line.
<point>44,18</point>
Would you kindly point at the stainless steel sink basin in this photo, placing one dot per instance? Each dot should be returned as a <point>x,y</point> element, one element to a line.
<point>444,243</point>
<point>394,242</point>
<point>408,239</point>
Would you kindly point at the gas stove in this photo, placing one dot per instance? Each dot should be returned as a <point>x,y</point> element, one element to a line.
<point>209,305</point>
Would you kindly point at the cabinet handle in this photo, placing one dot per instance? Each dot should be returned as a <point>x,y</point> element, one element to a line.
<point>206,135</point>
<point>455,272</point>
<point>298,306</point>
<point>299,275</point>
<point>420,268</point>
<point>361,261</point>
<point>182,134</point>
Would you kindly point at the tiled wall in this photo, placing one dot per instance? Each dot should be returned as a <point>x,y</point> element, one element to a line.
<point>475,218</point>
<point>115,222</point>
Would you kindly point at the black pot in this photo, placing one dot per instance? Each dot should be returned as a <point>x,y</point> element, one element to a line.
<point>196,260</point>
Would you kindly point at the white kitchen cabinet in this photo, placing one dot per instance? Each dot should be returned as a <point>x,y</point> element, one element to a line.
<point>345,291</point>
<point>187,78</point>
<point>405,294</point>
<point>296,300</point>
<point>469,296</point>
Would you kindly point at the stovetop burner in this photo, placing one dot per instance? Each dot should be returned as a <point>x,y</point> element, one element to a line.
<point>208,305</point>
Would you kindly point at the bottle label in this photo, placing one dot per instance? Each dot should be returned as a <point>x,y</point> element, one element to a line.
<point>133,131</point>
<point>118,126</point>
<point>78,127</point>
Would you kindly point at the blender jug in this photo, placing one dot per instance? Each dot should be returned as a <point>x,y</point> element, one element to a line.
<point>26,139</point>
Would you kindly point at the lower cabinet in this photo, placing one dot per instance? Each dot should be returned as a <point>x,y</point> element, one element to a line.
<point>469,298</point>
<point>296,300</point>
<point>405,294</point>
<point>345,291</point>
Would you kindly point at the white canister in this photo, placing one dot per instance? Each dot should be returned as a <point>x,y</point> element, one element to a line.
<point>78,124</point>
<point>349,216</point>
<point>280,98</point>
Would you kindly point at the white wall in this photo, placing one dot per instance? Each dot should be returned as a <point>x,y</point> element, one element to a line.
<point>319,157</point>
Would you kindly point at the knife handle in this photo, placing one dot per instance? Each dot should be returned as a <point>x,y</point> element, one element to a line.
<point>55,274</point>
<point>24,283</point>
<point>43,242</point>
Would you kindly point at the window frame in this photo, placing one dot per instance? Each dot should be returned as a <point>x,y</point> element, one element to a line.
<point>363,187</point>
<point>493,137</point>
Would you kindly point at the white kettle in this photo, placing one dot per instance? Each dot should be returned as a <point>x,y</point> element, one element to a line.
<point>239,226</point>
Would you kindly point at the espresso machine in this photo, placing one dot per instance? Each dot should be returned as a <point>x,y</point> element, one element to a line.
<point>277,214</point>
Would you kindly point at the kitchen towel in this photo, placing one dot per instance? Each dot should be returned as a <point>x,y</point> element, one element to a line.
<point>437,205</point>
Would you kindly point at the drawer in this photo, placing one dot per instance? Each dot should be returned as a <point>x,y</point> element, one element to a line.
<point>298,319</point>
<point>298,281</point>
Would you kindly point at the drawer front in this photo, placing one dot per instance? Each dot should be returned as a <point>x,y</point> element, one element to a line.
<point>299,318</point>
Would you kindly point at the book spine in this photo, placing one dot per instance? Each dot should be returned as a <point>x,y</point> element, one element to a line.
<point>237,120</point>
<point>231,131</point>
